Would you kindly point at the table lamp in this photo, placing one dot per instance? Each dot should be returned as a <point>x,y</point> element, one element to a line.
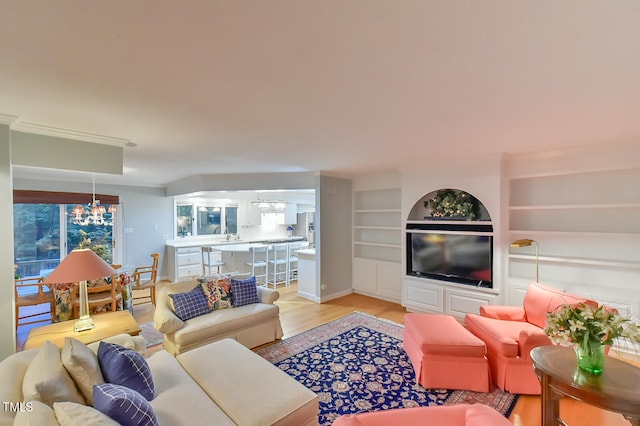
<point>525,243</point>
<point>79,266</point>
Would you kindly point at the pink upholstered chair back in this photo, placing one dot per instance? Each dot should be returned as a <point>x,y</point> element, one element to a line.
<point>541,299</point>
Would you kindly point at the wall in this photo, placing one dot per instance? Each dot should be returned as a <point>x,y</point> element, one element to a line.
<point>333,237</point>
<point>7,306</point>
<point>146,211</point>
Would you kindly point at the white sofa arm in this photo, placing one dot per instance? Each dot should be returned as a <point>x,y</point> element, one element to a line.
<point>164,319</point>
<point>267,295</point>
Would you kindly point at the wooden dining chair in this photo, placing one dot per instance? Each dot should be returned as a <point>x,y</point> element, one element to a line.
<point>146,277</point>
<point>107,292</point>
<point>34,292</point>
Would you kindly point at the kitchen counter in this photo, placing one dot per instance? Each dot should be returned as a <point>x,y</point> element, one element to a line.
<point>197,242</point>
<point>307,282</point>
<point>185,256</point>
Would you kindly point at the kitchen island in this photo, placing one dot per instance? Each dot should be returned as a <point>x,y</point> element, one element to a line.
<point>307,274</point>
<point>236,257</point>
<point>184,256</point>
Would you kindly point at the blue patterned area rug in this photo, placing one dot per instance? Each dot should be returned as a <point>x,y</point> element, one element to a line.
<point>357,364</point>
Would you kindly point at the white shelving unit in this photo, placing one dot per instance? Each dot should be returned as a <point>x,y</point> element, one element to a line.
<point>377,239</point>
<point>588,233</point>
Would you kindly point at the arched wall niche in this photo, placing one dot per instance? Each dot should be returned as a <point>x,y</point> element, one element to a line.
<point>449,238</point>
<point>449,204</point>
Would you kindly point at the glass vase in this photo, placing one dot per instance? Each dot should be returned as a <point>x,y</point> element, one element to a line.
<point>590,356</point>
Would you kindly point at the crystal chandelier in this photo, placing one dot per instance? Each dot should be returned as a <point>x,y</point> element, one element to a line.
<point>93,214</point>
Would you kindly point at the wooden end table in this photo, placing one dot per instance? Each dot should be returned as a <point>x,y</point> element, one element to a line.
<point>616,389</point>
<point>107,324</point>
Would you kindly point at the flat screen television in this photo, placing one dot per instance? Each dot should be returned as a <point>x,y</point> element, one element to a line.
<point>455,257</point>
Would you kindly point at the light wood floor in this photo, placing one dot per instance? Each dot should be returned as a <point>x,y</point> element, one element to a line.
<point>298,315</point>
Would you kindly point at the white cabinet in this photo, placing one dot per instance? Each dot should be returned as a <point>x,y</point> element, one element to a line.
<point>291,214</point>
<point>377,278</point>
<point>184,262</point>
<point>424,295</point>
<point>377,237</point>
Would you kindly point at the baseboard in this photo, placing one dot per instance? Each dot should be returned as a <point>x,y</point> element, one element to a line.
<point>326,298</point>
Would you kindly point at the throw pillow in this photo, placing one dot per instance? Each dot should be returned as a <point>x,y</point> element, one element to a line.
<point>126,367</point>
<point>82,365</point>
<point>35,413</point>
<point>46,379</point>
<point>72,414</point>
<point>190,304</point>
<point>218,293</point>
<point>244,292</point>
<point>124,405</point>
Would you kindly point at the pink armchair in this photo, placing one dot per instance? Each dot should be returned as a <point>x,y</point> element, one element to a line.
<point>510,332</point>
<point>450,415</point>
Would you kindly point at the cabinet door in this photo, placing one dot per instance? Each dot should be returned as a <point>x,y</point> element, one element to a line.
<point>291,214</point>
<point>364,275</point>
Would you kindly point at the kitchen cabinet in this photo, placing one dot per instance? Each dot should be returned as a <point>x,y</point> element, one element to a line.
<point>184,262</point>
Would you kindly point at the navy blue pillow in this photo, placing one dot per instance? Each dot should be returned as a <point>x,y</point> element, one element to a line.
<point>123,405</point>
<point>126,367</point>
<point>244,292</point>
<point>190,304</point>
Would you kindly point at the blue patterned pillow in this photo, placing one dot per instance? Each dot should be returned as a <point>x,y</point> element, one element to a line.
<point>123,405</point>
<point>244,292</point>
<point>126,367</point>
<point>190,304</point>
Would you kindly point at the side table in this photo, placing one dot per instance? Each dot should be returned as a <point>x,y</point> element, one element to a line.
<point>107,324</point>
<point>616,389</point>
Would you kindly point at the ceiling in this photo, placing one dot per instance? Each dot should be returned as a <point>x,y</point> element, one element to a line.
<point>343,87</point>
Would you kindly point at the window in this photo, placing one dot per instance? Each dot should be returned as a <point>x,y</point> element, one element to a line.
<point>193,219</point>
<point>42,238</point>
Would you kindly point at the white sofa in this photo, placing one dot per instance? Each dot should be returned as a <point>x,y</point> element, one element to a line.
<point>200,387</point>
<point>252,325</point>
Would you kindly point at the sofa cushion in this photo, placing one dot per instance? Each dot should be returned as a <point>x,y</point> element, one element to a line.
<point>255,394</point>
<point>541,299</point>
<point>190,304</point>
<point>46,379</point>
<point>500,336</point>
<point>179,399</point>
<point>244,292</point>
<point>72,414</point>
<point>82,365</point>
<point>36,413</point>
<point>224,323</point>
<point>218,293</point>
<point>124,405</point>
<point>125,367</point>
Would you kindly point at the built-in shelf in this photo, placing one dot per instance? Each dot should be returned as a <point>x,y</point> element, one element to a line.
<point>578,261</point>
<point>586,227</point>
<point>578,206</point>
<point>377,237</point>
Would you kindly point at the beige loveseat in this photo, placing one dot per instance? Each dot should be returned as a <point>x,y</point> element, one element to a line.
<point>252,325</point>
<point>200,387</point>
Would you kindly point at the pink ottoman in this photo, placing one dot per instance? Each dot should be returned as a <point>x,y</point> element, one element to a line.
<point>444,354</point>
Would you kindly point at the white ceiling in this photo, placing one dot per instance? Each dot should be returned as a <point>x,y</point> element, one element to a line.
<point>344,87</point>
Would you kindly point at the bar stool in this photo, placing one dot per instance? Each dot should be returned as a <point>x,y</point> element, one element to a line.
<point>293,260</point>
<point>211,259</point>
<point>260,259</point>
<point>279,264</point>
